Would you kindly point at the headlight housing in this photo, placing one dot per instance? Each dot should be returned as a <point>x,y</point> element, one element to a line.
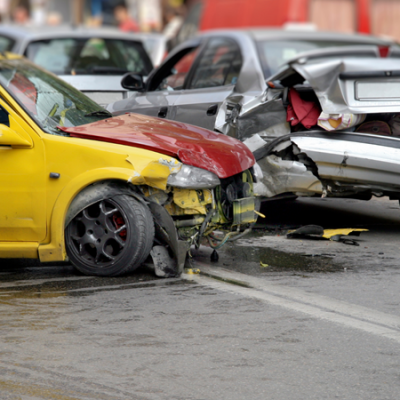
<point>189,177</point>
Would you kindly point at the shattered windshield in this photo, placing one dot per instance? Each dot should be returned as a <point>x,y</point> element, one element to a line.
<point>50,101</point>
<point>78,56</point>
<point>276,53</point>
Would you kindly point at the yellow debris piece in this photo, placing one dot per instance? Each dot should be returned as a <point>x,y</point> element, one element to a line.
<point>328,233</point>
<point>192,271</point>
<point>264,265</point>
<point>259,214</point>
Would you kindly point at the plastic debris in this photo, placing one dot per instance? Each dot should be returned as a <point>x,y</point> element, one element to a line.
<point>306,232</point>
<point>329,233</point>
<point>317,232</point>
<point>192,271</point>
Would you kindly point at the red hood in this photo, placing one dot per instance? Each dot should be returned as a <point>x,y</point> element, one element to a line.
<point>192,145</point>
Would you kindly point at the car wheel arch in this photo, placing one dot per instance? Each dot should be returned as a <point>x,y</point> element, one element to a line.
<point>98,191</point>
<point>165,230</point>
<point>76,197</point>
<point>113,233</point>
<point>54,248</point>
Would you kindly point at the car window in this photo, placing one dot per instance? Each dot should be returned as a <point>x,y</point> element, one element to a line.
<point>50,101</point>
<point>6,44</point>
<point>4,119</point>
<point>219,65</point>
<point>179,72</point>
<point>173,73</point>
<point>89,56</point>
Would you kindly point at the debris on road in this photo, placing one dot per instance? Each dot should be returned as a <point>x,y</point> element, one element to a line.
<point>317,232</point>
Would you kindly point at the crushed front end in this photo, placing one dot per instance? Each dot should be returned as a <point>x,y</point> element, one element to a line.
<point>228,208</point>
<point>198,184</point>
<point>215,214</point>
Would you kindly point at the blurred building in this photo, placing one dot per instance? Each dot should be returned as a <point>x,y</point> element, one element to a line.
<point>378,17</point>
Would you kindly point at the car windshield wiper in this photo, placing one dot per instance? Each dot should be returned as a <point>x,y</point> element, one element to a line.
<point>99,113</point>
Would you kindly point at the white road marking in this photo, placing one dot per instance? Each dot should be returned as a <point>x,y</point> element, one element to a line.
<point>317,306</point>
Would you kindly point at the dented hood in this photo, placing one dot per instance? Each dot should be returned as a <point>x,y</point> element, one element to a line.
<point>192,145</point>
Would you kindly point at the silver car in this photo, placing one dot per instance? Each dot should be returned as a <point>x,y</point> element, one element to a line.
<point>92,60</point>
<point>346,144</point>
<point>218,67</point>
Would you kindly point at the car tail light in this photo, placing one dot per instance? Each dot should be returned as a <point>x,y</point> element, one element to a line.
<point>383,51</point>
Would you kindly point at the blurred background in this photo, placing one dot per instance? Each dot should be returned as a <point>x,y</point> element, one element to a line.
<point>180,19</point>
<point>147,15</point>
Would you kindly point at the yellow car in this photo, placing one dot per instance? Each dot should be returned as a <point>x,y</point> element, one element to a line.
<point>108,192</point>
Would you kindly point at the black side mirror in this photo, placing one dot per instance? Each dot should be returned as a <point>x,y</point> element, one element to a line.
<point>132,81</point>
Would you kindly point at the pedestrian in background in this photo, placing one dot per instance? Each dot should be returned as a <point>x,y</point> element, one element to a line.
<point>20,15</point>
<point>125,22</point>
<point>103,11</point>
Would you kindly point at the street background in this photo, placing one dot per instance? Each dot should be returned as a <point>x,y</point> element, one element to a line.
<point>378,17</point>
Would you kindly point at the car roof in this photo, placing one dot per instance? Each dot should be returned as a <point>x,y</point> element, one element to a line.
<point>47,32</point>
<point>259,34</point>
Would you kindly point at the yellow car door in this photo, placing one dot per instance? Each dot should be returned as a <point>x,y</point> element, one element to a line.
<point>22,180</point>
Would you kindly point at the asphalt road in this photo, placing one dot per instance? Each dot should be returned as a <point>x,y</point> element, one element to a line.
<point>274,318</point>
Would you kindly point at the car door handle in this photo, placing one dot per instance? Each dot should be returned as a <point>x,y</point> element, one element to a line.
<point>162,112</point>
<point>212,110</point>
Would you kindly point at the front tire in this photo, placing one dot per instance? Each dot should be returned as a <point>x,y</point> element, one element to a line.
<point>110,237</point>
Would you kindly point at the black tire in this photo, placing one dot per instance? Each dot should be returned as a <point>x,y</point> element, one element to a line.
<point>111,237</point>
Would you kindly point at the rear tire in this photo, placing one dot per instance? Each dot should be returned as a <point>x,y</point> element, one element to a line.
<point>111,237</point>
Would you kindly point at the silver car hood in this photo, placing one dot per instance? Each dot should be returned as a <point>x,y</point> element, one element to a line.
<point>350,85</point>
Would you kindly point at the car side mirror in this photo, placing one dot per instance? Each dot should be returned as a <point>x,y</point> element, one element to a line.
<point>9,137</point>
<point>132,81</point>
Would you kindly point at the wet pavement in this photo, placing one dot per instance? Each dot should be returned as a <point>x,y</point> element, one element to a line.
<point>367,275</point>
<point>247,257</point>
<point>267,249</point>
<point>312,319</point>
<point>68,337</point>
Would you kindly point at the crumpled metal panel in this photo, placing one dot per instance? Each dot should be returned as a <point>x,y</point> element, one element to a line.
<point>245,113</point>
<point>281,176</point>
<point>195,146</point>
<point>338,96</point>
<point>355,163</point>
<point>242,116</point>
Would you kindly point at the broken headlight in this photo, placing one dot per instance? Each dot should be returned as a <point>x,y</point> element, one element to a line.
<point>193,178</point>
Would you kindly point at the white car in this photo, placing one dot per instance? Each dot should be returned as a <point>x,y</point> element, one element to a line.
<point>92,60</point>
